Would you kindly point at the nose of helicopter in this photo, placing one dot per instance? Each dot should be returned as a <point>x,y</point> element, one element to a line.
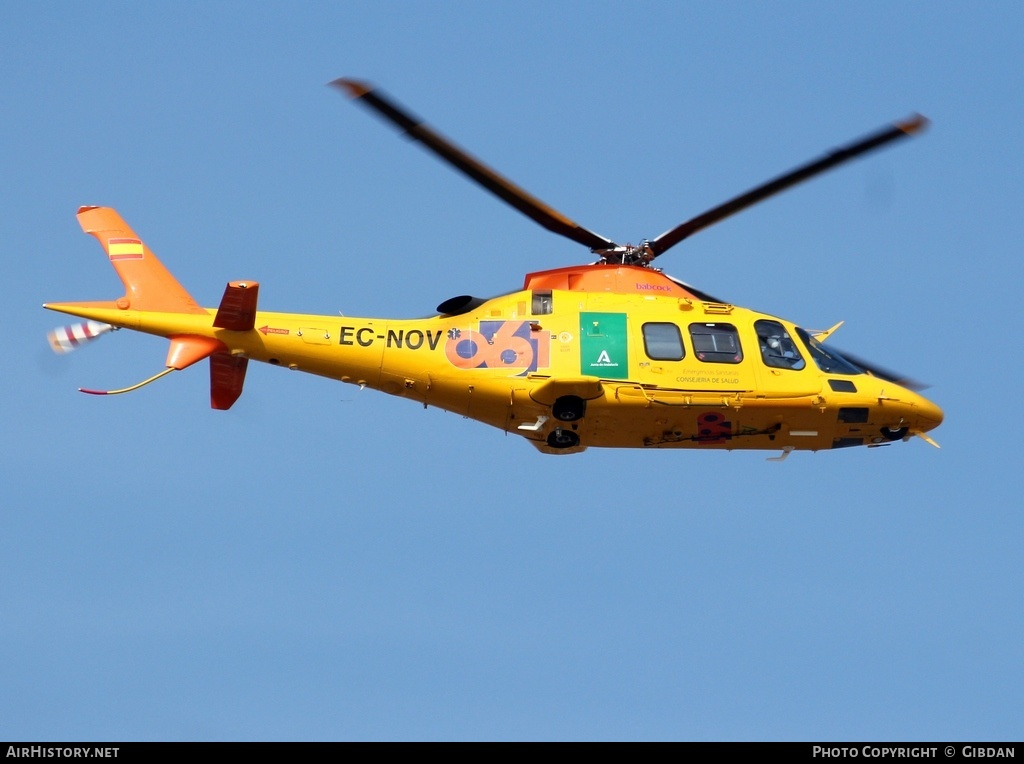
<point>929,415</point>
<point>910,414</point>
<point>907,412</point>
<point>916,412</point>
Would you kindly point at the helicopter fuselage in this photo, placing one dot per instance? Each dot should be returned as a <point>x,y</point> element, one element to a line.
<point>598,355</point>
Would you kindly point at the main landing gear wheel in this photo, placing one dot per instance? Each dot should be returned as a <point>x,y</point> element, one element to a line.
<point>569,408</point>
<point>563,438</point>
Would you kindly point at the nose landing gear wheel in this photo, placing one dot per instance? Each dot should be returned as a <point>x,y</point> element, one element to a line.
<point>563,438</point>
<point>897,434</point>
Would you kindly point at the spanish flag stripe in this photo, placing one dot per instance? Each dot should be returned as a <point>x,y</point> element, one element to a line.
<point>124,249</point>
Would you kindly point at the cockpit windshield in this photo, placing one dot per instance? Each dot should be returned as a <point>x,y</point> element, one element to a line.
<point>829,361</point>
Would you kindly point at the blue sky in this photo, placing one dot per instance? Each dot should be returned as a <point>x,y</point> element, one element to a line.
<point>324,563</point>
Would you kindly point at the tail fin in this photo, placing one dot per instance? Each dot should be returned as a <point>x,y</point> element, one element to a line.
<point>148,284</point>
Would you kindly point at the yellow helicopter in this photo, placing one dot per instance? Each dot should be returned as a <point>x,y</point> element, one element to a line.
<point>611,354</point>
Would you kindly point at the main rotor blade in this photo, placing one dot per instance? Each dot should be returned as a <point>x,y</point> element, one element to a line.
<point>501,187</point>
<point>883,373</point>
<point>835,157</point>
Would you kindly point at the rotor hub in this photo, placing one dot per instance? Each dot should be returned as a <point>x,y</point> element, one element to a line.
<point>627,254</point>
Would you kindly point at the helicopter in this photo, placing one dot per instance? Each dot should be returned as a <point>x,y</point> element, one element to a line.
<point>613,353</point>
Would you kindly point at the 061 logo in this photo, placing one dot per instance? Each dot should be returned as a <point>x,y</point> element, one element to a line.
<point>498,345</point>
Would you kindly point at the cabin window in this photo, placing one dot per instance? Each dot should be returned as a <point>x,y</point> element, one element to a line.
<point>716,343</point>
<point>777,348</point>
<point>542,303</point>
<point>663,342</point>
<point>853,415</point>
<point>842,386</point>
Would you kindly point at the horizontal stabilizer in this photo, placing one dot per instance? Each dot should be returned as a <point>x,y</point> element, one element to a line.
<point>237,310</point>
<point>227,375</point>
<point>186,350</point>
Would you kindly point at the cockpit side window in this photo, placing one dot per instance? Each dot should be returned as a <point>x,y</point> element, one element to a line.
<point>541,304</point>
<point>825,359</point>
<point>716,343</point>
<point>663,342</point>
<point>777,348</point>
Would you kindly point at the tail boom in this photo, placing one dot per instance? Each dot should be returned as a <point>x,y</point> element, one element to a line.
<point>230,335</point>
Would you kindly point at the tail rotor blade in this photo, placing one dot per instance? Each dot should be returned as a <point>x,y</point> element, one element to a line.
<point>64,339</point>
